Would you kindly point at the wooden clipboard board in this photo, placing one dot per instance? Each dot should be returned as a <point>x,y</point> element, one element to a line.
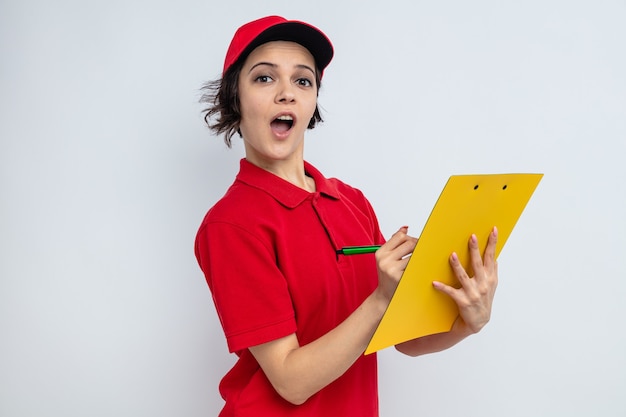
<point>468,204</point>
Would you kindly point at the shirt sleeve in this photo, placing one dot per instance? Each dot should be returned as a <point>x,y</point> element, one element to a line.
<point>368,210</point>
<point>250,293</point>
<point>379,239</point>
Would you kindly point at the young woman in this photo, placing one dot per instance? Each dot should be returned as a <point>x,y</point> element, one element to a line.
<point>298,315</point>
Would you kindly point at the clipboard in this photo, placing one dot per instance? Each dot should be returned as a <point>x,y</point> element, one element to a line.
<point>468,204</point>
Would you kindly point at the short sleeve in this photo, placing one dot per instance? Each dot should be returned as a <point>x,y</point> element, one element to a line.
<point>379,239</point>
<point>250,293</point>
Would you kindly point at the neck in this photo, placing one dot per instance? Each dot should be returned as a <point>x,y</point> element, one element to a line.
<point>291,171</point>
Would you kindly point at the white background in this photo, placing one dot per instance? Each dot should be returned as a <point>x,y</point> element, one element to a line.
<point>106,171</point>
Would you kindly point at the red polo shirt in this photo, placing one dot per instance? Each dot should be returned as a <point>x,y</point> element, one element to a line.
<point>268,251</point>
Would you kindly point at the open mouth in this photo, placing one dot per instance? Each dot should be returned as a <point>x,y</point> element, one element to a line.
<point>282,124</point>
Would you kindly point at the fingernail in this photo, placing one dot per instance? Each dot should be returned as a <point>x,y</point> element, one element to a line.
<point>474,239</point>
<point>454,256</point>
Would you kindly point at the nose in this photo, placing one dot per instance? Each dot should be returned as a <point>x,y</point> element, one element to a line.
<point>285,93</point>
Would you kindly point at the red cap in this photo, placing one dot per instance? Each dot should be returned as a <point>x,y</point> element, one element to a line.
<point>276,28</point>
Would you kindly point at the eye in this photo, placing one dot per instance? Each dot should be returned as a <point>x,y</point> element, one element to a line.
<point>263,79</point>
<point>304,82</point>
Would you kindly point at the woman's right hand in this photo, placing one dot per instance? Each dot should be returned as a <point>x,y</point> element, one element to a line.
<point>391,260</point>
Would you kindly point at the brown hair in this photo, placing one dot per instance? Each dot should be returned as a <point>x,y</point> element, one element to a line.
<point>223,113</point>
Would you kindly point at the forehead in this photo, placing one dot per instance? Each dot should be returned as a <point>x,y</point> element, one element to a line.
<point>279,52</point>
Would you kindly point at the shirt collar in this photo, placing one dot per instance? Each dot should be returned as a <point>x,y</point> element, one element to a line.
<point>282,190</point>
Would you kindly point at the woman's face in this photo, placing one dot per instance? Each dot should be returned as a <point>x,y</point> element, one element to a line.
<point>278,96</point>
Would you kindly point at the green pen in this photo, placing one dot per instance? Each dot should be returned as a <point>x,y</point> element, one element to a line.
<point>357,250</point>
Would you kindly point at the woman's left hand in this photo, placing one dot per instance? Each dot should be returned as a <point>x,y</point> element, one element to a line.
<point>475,296</point>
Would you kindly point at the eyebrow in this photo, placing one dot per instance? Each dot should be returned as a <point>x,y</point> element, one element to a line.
<point>302,66</point>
